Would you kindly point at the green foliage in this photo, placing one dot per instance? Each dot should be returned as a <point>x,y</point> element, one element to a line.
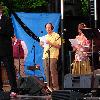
<point>28,5</point>
<point>5,9</point>
<point>23,5</point>
<point>85,7</point>
<point>35,6</point>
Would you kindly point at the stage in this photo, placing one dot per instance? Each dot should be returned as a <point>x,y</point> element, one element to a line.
<point>26,97</point>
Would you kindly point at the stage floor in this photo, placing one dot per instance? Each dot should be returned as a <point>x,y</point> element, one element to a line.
<point>26,97</point>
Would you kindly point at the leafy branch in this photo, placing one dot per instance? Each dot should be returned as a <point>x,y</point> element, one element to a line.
<point>85,7</point>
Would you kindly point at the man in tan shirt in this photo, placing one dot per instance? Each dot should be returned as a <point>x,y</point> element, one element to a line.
<point>51,44</point>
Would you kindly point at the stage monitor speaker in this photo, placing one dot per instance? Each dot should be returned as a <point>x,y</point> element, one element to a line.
<point>66,95</point>
<point>31,85</point>
<point>81,81</point>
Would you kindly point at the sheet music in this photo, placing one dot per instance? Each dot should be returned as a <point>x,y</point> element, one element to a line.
<point>74,42</point>
<point>43,39</point>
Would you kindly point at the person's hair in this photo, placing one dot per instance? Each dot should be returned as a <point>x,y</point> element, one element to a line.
<point>13,36</point>
<point>52,27</point>
<point>81,26</point>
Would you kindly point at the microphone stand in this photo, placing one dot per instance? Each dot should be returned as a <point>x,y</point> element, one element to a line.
<point>49,65</point>
<point>19,58</point>
<point>70,58</point>
<point>34,55</point>
<point>33,48</point>
<point>48,51</point>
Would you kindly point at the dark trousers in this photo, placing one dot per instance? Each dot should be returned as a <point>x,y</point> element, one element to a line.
<point>9,65</point>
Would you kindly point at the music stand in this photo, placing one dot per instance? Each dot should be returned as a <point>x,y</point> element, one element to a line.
<point>91,34</point>
<point>33,48</point>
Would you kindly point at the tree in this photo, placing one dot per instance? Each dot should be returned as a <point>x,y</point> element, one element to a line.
<point>24,5</point>
<point>85,7</point>
<point>28,5</point>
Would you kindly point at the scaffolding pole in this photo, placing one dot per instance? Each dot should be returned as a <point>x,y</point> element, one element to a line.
<point>62,42</point>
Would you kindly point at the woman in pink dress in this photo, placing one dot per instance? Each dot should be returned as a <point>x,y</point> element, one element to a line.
<point>81,64</point>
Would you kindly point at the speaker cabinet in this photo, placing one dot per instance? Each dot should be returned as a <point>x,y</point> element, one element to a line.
<point>81,81</point>
<point>66,95</point>
<point>31,85</point>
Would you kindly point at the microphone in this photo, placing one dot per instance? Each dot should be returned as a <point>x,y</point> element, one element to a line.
<point>33,47</point>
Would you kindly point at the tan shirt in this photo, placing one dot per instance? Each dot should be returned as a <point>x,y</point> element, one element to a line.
<point>56,40</point>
